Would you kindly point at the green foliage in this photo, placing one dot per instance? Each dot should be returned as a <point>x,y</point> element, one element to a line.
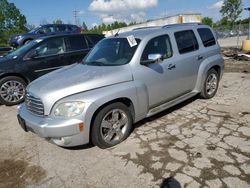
<point>11,21</point>
<point>84,26</point>
<point>207,21</point>
<point>231,10</point>
<point>108,27</point>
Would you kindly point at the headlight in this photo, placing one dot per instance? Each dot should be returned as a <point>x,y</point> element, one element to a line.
<point>69,109</point>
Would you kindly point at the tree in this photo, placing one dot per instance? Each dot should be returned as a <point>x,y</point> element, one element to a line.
<point>84,26</point>
<point>11,21</point>
<point>58,21</point>
<point>207,21</point>
<point>231,9</point>
<point>11,18</point>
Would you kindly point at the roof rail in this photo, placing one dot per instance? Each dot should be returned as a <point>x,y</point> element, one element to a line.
<point>180,25</point>
<point>149,27</point>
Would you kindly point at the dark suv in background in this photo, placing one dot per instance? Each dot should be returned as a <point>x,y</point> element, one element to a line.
<point>41,31</point>
<point>39,57</point>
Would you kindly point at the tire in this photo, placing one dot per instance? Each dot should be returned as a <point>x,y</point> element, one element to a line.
<point>12,90</point>
<point>111,126</point>
<point>210,85</point>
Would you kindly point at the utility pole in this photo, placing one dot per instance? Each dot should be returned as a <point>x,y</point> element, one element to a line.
<point>76,16</point>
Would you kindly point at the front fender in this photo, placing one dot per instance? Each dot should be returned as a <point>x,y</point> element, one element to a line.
<point>134,91</point>
<point>205,66</point>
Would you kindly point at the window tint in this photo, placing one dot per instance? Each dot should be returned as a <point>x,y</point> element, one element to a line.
<point>159,45</point>
<point>93,39</point>
<point>47,29</point>
<point>75,43</point>
<point>186,41</point>
<point>207,37</point>
<point>72,28</point>
<point>61,28</point>
<point>50,47</point>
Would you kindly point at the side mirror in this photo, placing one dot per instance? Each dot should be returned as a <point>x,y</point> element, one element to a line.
<point>152,58</point>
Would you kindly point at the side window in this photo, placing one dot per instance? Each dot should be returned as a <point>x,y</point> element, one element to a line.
<point>75,43</point>
<point>207,37</point>
<point>60,28</point>
<point>186,41</point>
<point>47,29</point>
<point>50,47</point>
<point>159,45</point>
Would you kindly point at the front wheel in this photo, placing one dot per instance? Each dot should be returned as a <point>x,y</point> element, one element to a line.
<point>210,86</point>
<point>12,90</point>
<point>111,126</point>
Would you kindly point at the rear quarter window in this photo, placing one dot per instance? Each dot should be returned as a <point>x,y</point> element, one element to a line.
<point>207,37</point>
<point>186,41</point>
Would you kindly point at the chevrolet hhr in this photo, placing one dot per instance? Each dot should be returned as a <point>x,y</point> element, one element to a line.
<point>124,79</point>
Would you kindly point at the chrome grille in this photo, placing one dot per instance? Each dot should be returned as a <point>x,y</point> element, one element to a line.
<point>34,105</point>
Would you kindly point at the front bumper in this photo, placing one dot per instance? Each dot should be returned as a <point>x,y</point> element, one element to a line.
<point>63,132</point>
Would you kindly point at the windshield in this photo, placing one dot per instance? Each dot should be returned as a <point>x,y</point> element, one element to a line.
<point>23,49</point>
<point>111,52</point>
<point>34,29</point>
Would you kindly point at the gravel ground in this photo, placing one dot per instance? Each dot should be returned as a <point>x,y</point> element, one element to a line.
<point>199,143</point>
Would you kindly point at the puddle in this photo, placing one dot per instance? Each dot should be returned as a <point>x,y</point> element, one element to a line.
<point>18,173</point>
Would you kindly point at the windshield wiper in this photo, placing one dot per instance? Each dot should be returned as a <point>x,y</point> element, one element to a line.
<point>95,63</point>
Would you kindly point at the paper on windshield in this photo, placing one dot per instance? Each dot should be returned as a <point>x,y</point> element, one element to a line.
<point>131,40</point>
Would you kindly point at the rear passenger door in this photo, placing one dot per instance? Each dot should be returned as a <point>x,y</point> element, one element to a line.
<point>77,48</point>
<point>188,60</point>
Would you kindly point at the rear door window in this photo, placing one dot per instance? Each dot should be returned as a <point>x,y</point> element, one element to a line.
<point>186,41</point>
<point>76,43</point>
<point>207,37</point>
<point>72,28</point>
<point>61,28</point>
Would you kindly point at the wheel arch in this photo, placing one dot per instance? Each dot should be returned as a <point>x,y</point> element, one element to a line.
<point>25,40</point>
<point>15,74</point>
<point>126,101</point>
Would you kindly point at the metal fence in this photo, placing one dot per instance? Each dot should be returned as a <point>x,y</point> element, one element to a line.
<point>226,31</point>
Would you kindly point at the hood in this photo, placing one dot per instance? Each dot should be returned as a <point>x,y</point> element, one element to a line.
<point>7,63</point>
<point>75,79</point>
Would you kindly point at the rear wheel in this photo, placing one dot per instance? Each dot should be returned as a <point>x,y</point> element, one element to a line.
<point>210,86</point>
<point>12,90</point>
<point>111,125</point>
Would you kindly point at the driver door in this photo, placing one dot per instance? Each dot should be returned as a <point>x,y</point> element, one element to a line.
<point>159,78</point>
<point>46,57</point>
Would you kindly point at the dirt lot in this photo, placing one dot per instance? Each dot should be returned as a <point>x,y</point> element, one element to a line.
<point>200,143</point>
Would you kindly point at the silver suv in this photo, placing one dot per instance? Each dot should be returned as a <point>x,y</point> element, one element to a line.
<point>125,78</point>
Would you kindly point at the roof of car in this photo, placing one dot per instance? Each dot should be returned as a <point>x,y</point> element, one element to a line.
<point>146,31</point>
<point>69,34</point>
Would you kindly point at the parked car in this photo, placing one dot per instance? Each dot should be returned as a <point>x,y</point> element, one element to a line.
<point>125,78</point>
<point>37,58</point>
<point>41,31</point>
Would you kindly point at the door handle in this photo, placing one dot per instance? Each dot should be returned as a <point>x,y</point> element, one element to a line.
<point>200,57</point>
<point>171,66</point>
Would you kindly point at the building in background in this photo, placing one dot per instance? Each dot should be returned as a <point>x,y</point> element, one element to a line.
<point>180,18</point>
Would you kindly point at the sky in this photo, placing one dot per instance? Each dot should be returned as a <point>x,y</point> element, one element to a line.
<point>94,12</point>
